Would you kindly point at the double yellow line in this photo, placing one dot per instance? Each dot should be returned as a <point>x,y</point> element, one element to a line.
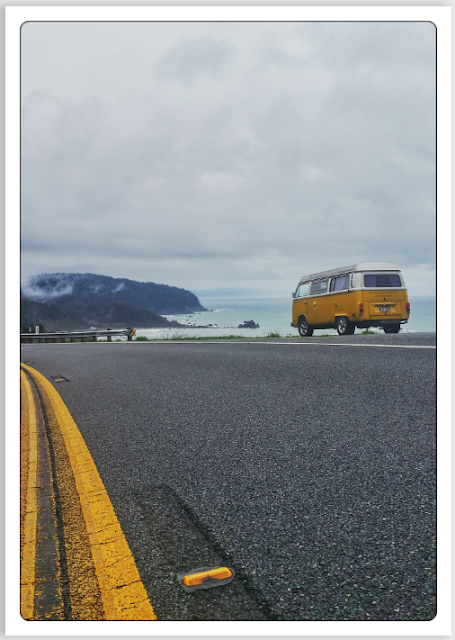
<point>101,574</point>
<point>28,498</point>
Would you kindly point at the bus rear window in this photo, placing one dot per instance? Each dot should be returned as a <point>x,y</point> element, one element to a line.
<point>382,280</point>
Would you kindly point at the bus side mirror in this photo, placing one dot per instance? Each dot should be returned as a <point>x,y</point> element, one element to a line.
<point>293,294</point>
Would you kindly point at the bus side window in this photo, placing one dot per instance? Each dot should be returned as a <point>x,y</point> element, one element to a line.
<point>302,290</point>
<point>318,287</point>
<point>341,283</point>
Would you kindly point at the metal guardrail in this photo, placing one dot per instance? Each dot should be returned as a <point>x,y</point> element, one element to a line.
<point>73,336</point>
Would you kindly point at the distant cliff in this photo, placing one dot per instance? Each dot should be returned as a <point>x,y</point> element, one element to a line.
<point>69,301</point>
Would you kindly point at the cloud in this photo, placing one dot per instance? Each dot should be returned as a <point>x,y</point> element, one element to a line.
<point>46,287</point>
<point>186,153</point>
<point>194,59</point>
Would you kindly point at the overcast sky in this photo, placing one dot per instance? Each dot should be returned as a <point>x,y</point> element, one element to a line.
<point>228,155</point>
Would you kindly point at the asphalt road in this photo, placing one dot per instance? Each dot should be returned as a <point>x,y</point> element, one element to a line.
<point>308,467</point>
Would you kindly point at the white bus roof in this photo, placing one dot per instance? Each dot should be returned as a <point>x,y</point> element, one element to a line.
<point>364,266</point>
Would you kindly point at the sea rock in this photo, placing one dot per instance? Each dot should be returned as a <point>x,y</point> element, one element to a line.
<point>248,324</point>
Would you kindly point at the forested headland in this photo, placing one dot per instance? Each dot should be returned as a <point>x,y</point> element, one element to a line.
<point>73,301</point>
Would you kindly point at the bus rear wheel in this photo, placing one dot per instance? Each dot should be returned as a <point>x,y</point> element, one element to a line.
<point>304,328</point>
<point>391,328</point>
<point>344,327</point>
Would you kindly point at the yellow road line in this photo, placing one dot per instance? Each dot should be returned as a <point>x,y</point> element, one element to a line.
<point>29,539</point>
<point>122,592</point>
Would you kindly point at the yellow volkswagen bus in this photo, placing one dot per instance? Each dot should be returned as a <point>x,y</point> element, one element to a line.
<point>362,295</point>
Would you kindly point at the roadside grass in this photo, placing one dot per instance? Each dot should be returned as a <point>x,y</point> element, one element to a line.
<point>182,335</point>
<point>233,336</point>
<point>171,338</point>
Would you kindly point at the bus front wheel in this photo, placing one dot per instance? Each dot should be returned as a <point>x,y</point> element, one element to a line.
<point>344,327</point>
<point>304,328</point>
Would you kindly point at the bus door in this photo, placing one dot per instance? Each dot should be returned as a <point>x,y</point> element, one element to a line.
<point>338,305</point>
<point>318,303</point>
<point>300,304</point>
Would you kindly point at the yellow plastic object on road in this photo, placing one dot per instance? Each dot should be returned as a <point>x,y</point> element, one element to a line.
<point>193,579</point>
<point>205,578</point>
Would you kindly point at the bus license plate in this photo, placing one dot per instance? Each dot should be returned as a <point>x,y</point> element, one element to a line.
<point>384,309</point>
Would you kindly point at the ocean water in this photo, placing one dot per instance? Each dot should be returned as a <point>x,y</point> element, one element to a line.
<point>273,316</point>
